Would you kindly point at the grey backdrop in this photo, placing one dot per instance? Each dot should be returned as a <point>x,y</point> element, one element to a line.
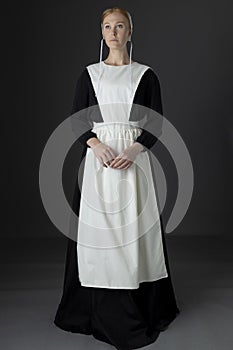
<point>47,45</point>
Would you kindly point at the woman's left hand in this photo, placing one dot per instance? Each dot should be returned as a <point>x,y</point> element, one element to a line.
<point>126,158</point>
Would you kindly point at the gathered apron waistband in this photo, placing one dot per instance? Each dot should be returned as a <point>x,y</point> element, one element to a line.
<point>116,125</point>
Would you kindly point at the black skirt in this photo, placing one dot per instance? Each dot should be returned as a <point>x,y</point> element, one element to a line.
<point>125,318</point>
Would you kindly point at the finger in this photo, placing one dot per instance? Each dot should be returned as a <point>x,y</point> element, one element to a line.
<point>107,163</point>
<point>117,158</point>
<point>129,165</point>
<point>114,161</point>
<point>111,156</point>
<point>104,161</point>
<point>120,162</point>
<point>110,161</point>
<point>105,157</point>
<point>124,165</point>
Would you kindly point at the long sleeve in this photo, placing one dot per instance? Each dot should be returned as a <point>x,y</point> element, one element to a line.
<point>148,94</point>
<point>83,99</point>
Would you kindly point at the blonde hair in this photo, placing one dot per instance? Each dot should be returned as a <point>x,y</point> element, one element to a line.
<point>120,10</point>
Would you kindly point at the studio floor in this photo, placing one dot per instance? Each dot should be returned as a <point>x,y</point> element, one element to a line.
<point>32,273</point>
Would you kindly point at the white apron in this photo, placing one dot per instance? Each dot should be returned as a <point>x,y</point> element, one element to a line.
<point>119,241</point>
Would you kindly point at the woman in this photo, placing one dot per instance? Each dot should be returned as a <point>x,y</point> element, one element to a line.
<point>117,283</point>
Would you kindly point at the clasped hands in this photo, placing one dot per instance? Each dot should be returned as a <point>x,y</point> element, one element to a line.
<point>123,160</point>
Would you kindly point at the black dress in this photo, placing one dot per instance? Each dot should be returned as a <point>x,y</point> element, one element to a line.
<point>124,318</point>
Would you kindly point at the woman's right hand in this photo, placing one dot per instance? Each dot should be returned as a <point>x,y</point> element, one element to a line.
<point>104,153</point>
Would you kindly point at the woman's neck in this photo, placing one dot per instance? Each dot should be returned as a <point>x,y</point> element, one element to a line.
<point>117,61</point>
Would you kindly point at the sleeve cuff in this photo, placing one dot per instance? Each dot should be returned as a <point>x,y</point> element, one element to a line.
<point>146,139</point>
<point>86,136</point>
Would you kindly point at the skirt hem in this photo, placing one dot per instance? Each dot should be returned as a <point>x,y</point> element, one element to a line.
<point>151,335</point>
<point>121,287</point>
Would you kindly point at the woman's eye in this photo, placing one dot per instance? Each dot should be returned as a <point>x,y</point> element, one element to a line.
<point>119,26</point>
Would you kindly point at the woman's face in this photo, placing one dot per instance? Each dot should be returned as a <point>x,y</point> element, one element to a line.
<point>116,30</point>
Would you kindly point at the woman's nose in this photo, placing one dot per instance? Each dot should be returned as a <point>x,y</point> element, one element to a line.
<point>113,31</point>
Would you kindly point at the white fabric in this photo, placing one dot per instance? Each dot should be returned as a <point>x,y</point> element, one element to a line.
<point>119,232</point>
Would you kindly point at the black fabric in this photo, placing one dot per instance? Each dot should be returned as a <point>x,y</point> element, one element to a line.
<point>84,97</point>
<point>125,318</point>
<point>148,94</point>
